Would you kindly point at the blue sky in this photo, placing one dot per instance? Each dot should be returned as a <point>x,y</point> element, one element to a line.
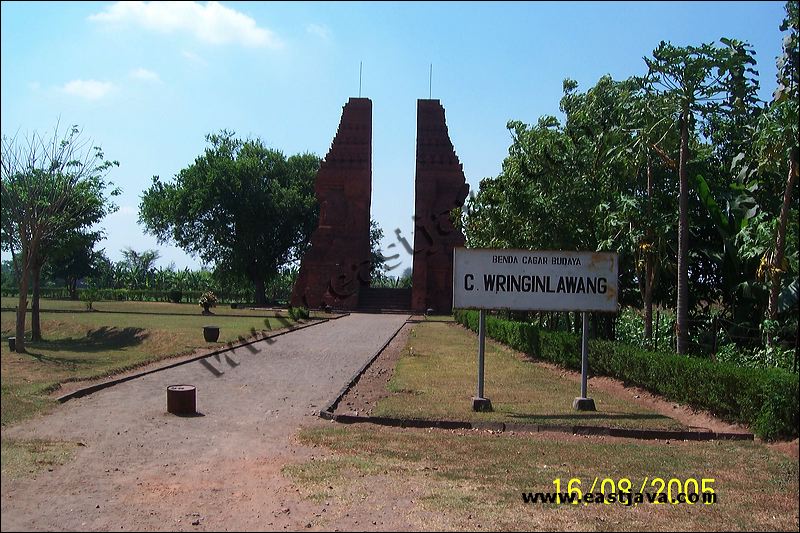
<point>147,81</point>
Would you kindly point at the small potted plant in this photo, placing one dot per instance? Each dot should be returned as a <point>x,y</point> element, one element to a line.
<point>208,300</point>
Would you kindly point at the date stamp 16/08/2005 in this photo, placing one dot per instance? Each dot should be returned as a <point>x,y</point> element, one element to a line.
<point>655,490</point>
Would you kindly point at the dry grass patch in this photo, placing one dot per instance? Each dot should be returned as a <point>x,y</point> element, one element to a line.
<point>23,458</point>
<point>474,480</point>
<point>437,374</point>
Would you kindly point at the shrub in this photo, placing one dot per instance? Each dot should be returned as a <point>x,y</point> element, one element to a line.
<point>89,296</point>
<point>8,290</point>
<point>770,356</point>
<point>518,335</point>
<point>765,399</point>
<point>175,296</point>
<point>630,326</point>
<point>298,313</point>
<point>768,400</point>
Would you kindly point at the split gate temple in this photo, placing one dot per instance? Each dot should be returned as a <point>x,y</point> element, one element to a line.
<point>335,269</point>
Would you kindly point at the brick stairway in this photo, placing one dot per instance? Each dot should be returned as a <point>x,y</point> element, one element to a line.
<point>383,300</point>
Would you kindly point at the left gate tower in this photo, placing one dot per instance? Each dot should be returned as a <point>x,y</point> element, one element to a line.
<point>337,265</point>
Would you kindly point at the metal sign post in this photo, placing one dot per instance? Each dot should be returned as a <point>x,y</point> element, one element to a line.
<point>479,403</point>
<point>583,403</point>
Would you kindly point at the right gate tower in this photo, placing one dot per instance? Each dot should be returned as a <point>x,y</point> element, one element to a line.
<point>440,187</point>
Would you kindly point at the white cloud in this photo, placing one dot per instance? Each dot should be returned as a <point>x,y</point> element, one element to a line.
<point>319,30</point>
<point>194,58</point>
<point>212,22</point>
<point>88,89</point>
<point>143,74</point>
<point>34,86</point>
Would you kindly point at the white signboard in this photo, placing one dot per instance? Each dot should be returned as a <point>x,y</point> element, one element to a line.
<point>527,280</point>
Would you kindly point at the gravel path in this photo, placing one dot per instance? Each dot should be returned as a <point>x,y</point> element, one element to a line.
<point>142,468</point>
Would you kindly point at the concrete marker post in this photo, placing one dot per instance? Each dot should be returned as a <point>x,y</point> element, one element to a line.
<point>584,403</point>
<point>479,403</point>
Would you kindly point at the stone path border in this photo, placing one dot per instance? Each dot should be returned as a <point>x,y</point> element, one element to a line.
<point>353,380</point>
<point>700,434</point>
<point>644,434</point>
<point>110,383</point>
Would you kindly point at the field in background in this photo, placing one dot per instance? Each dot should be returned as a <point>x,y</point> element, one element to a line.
<point>8,303</point>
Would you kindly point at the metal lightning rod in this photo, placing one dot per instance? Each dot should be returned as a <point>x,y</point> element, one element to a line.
<point>360,65</point>
<point>430,83</point>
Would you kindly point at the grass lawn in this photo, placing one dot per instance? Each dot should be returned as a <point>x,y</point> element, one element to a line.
<point>23,458</point>
<point>469,480</point>
<point>82,345</point>
<point>474,480</point>
<point>436,318</point>
<point>436,378</point>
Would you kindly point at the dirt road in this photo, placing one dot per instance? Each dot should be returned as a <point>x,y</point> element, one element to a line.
<point>140,468</point>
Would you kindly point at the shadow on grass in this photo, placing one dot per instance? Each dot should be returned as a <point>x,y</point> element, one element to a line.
<point>96,340</point>
<point>71,363</point>
<point>275,315</point>
<point>598,416</point>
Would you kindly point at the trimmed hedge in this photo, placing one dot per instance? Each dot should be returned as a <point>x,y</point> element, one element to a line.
<point>768,400</point>
<point>518,335</point>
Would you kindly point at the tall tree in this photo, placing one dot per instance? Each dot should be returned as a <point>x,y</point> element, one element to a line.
<point>73,259</point>
<point>65,249</point>
<point>565,178</point>
<point>50,187</point>
<point>377,268</point>
<point>779,141</point>
<point>102,271</point>
<point>652,132</point>
<point>138,269</point>
<point>242,206</point>
<point>695,79</point>
<point>9,276</point>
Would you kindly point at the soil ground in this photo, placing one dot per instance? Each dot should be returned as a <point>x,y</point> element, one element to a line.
<point>140,468</point>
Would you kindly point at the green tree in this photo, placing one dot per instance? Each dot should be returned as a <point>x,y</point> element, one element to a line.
<point>102,271</point>
<point>137,270</point>
<point>74,259</point>
<point>9,276</point>
<point>510,210</point>
<point>571,187</point>
<point>652,222</point>
<point>241,206</point>
<point>695,79</point>
<point>778,142</point>
<point>50,187</point>
<point>377,268</point>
